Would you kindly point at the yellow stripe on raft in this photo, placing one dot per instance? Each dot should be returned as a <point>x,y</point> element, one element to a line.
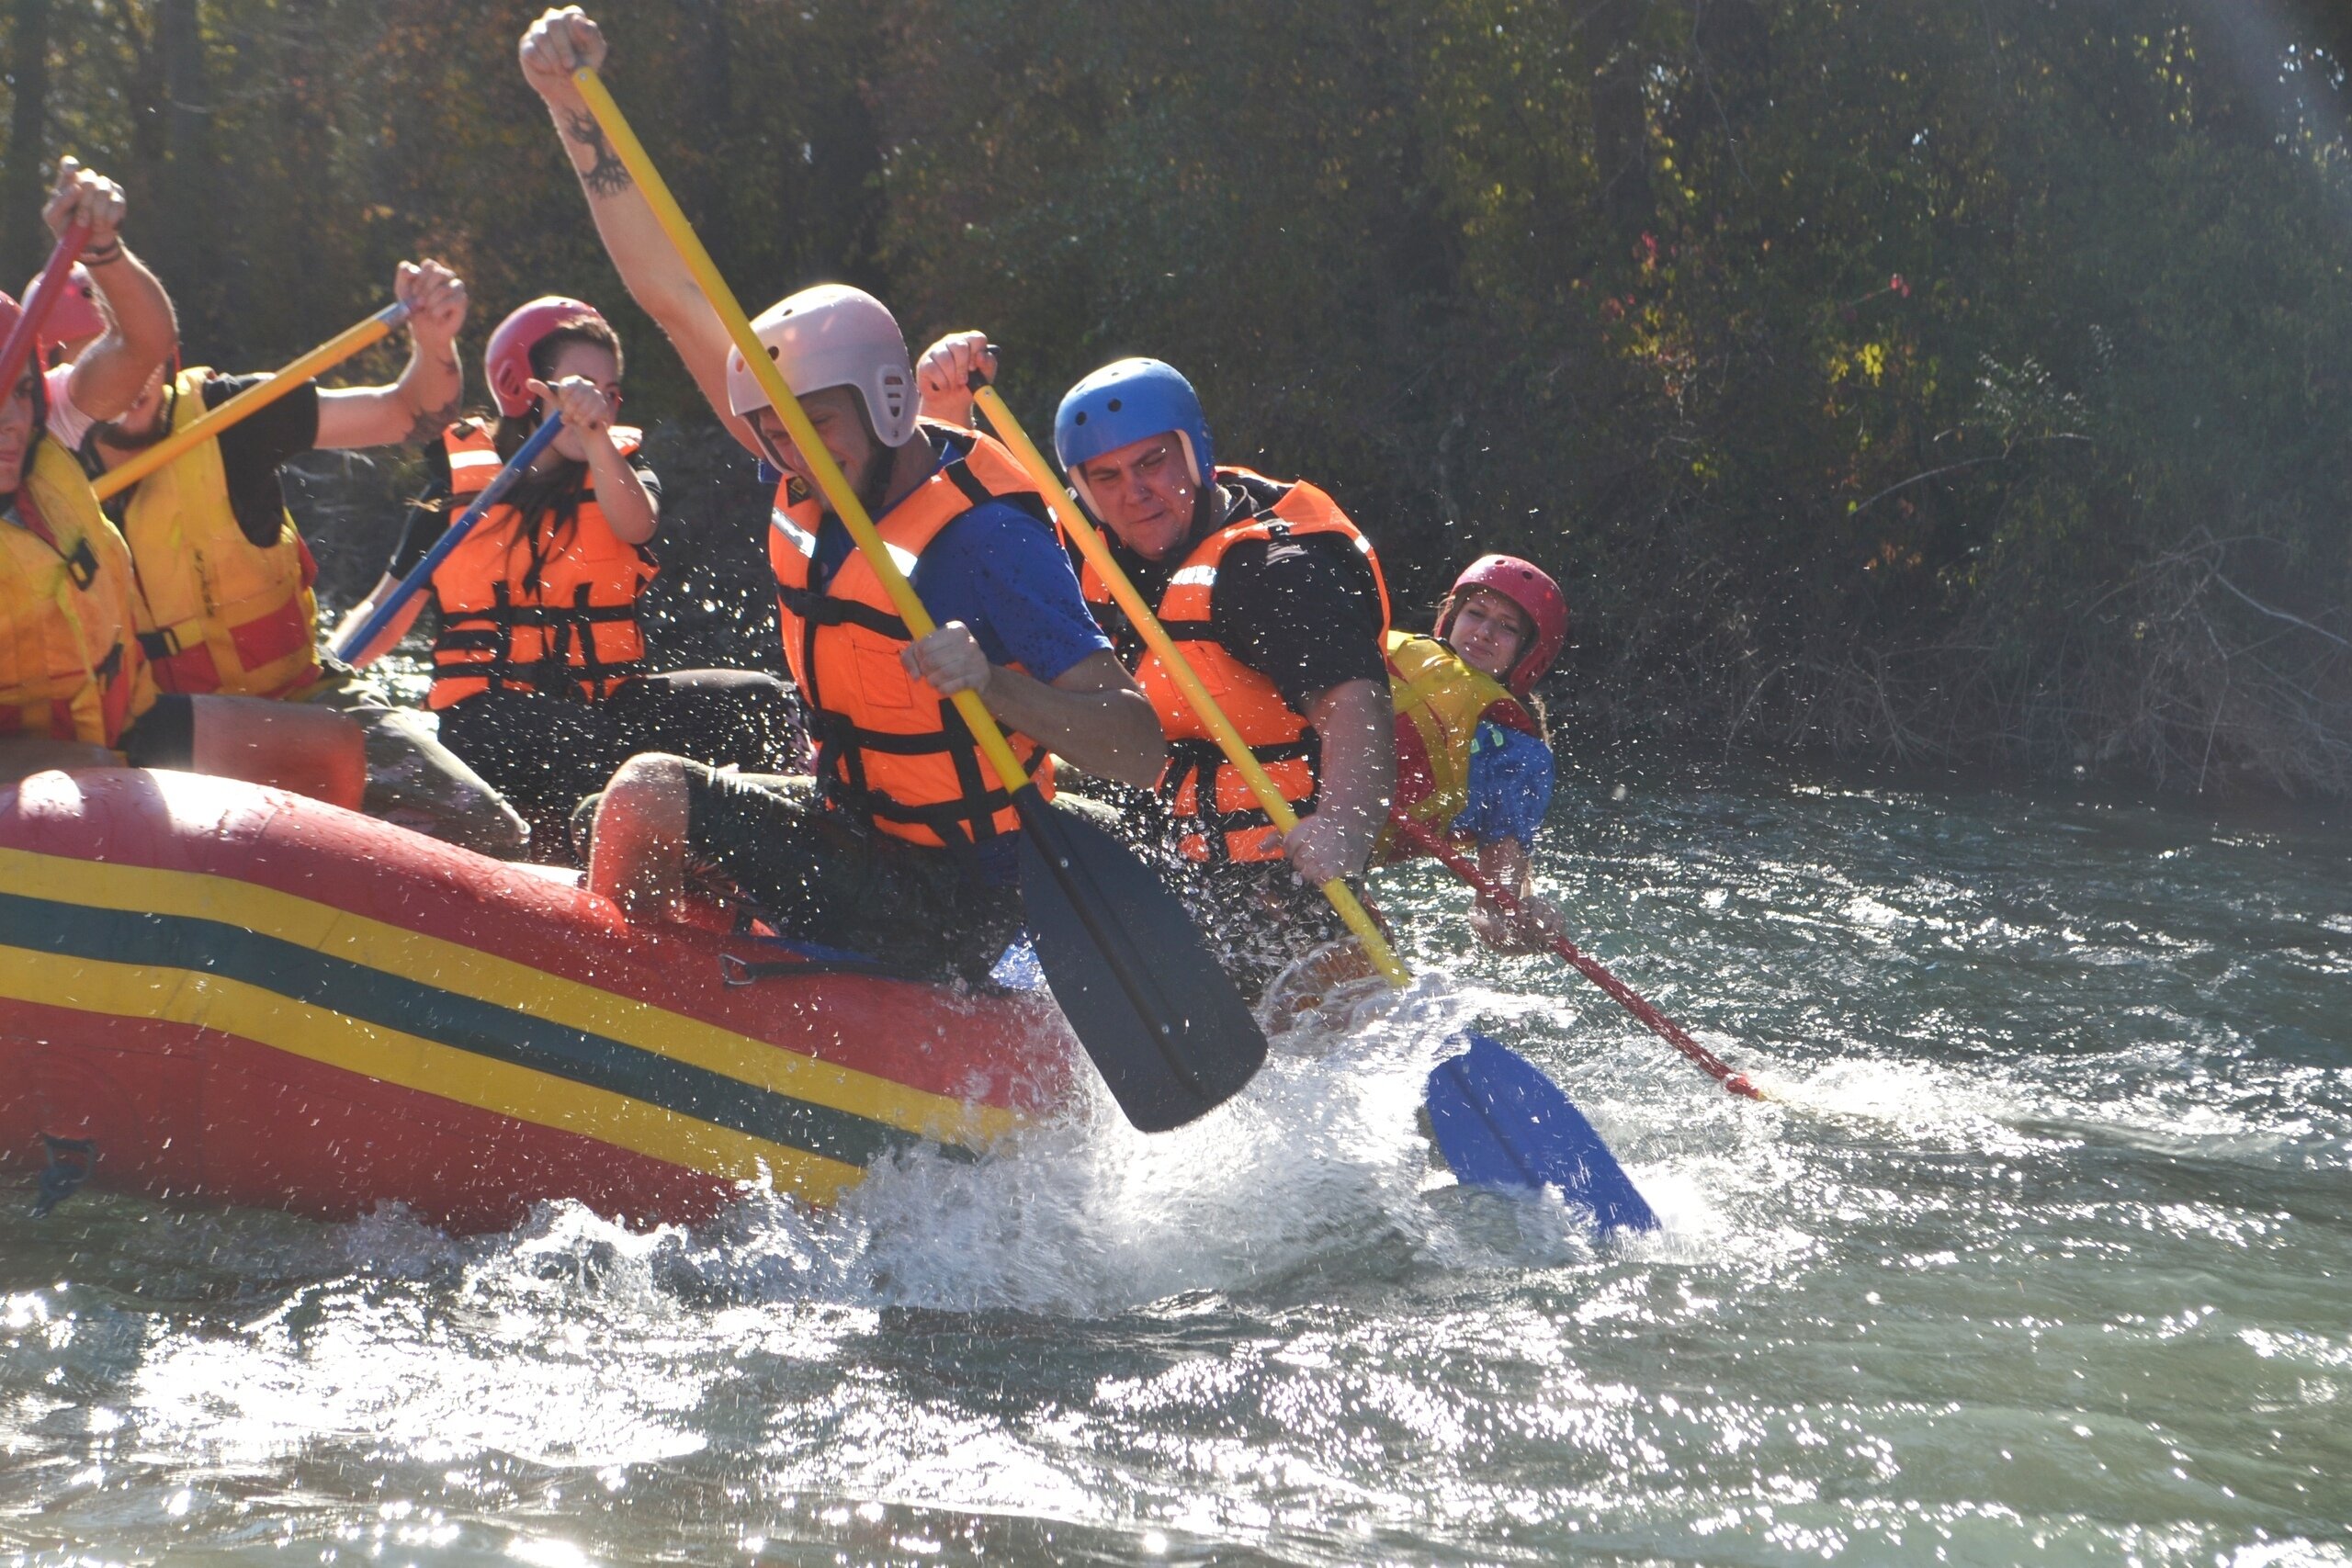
<point>484,977</point>
<point>337,1040</point>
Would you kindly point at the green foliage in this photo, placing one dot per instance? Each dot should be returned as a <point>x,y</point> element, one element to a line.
<point>1937,379</point>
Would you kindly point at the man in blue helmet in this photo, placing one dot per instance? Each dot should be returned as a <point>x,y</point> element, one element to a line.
<point>1276,600</point>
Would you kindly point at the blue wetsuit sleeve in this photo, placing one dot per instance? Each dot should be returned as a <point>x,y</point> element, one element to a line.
<point>1510,786</point>
<point>1001,573</point>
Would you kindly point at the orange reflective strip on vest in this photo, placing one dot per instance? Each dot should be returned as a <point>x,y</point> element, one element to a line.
<point>500,629</point>
<point>1220,819</point>
<point>889,747</point>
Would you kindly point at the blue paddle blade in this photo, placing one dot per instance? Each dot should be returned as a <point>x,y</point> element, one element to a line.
<point>1500,1122</point>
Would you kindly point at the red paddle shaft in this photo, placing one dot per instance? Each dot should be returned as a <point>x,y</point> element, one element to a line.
<point>1590,968</point>
<point>36,303</point>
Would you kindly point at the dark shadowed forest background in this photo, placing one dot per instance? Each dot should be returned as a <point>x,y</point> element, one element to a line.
<point>1963,382</point>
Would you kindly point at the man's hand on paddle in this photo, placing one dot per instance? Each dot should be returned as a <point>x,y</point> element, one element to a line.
<point>1324,846</point>
<point>436,297</point>
<point>943,376</point>
<point>84,196</point>
<point>1358,731</point>
<point>949,660</point>
<point>559,43</point>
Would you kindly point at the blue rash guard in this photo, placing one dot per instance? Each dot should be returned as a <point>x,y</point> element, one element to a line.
<point>1510,786</point>
<point>1002,573</point>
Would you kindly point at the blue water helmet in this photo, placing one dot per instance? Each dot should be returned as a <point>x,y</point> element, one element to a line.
<point>1126,401</point>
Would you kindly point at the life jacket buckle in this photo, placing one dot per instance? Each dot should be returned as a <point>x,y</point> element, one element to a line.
<point>82,565</point>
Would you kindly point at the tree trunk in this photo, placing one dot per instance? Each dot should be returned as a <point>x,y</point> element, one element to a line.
<point>1620,142</point>
<point>710,120</point>
<point>186,230</point>
<point>20,182</point>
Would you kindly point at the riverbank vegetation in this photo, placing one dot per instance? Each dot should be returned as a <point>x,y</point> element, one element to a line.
<point>1924,380</point>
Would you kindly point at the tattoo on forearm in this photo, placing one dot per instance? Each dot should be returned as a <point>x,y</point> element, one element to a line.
<point>433,421</point>
<point>607,175</point>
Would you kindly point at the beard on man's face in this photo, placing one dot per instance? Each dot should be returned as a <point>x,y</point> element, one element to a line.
<point>112,433</point>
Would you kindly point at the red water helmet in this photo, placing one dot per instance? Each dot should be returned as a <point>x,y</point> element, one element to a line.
<point>507,361</point>
<point>10,314</point>
<point>1531,588</point>
<point>75,317</point>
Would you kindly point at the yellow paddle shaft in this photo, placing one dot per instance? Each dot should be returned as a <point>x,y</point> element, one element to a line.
<point>253,399</point>
<point>1123,588</point>
<point>830,479</point>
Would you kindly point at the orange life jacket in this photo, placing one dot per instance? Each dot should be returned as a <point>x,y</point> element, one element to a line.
<point>499,627</point>
<point>889,748</point>
<point>70,613</point>
<point>229,616</point>
<point>1216,815</point>
<point>1440,703</point>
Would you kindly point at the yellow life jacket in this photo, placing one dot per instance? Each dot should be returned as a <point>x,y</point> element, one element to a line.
<point>1218,817</point>
<point>1440,702</point>
<point>229,616</point>
<point>70,613</point>
<point>889,748</point>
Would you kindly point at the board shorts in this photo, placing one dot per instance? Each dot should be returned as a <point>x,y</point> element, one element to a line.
<point>821,875</point>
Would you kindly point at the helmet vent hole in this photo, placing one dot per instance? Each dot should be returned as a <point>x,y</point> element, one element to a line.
<point>1115,405</point>
<point>1080,420</point>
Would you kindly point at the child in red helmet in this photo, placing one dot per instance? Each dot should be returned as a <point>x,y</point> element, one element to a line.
<point>1473,760</point>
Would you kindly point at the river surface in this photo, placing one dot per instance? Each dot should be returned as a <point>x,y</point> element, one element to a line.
<point>2045,1256</point>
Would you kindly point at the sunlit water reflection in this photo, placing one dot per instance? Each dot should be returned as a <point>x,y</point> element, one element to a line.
<point>2041,1257</point>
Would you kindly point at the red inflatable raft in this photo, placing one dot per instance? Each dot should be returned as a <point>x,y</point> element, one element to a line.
<point>213,991</point>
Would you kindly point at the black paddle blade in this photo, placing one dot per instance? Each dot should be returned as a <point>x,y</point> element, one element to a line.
<point>1167,1029</point>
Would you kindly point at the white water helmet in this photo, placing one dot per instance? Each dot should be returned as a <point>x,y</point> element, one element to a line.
<point>833,335</point>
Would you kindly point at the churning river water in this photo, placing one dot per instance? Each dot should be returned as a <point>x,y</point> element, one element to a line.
<point>2043,1258</point>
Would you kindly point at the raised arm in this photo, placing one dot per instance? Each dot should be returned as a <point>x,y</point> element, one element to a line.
<point>110,373</point>
<point>658,280</point>
<point>431,390</point>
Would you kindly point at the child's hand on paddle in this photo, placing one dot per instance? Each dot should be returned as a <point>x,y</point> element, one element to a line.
<point>586,410</point>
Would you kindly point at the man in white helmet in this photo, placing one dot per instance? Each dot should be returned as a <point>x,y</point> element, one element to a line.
<point>904,838</point>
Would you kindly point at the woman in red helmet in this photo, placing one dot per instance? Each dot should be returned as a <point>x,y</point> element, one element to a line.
<point>540,675</point>
<point>1472,761</point>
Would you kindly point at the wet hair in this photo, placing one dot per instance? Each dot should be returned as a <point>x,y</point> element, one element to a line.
<point>552,499</point>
